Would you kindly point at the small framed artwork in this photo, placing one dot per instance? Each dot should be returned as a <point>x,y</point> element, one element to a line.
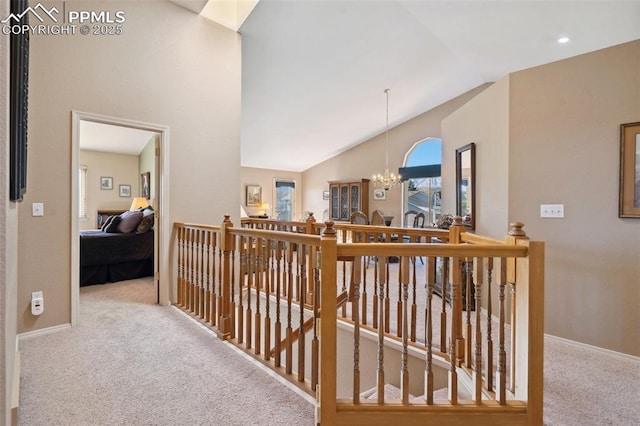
<point>325,195</point>
<point>125,190</point>
<point>254,195</point>
<point>145,185</point>
<point>629,170</point>
<point>106,182</point>
<point>379,194</point>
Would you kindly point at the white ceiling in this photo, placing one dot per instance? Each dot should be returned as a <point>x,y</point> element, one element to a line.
<point>314,72</point>
<point>114,139</point>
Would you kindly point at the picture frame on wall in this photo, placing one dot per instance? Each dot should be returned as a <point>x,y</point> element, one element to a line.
<point>106,182</point>
<point>145,185</point>
<point>254,196</point>
<point>629,170</point>
<point>379,194</point>
<point>125,190</point>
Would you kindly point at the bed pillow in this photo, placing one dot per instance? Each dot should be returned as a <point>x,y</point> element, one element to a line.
<point>107,222</point>
<point>129,221</point>
<point>112,226</point>
<point>146,223</point>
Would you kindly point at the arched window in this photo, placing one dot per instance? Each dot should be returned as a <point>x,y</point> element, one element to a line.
<point>422,179</point>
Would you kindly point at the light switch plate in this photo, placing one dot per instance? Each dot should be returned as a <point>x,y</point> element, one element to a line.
<point>37,209</point>
<point>555,211</point>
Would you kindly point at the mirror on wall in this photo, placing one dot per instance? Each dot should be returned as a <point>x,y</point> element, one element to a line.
<point>466,184</point>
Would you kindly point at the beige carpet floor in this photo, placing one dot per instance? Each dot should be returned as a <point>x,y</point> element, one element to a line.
<point>131,362</point>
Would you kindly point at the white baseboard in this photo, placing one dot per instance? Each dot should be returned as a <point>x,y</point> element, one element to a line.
<point>575,344</point>
<point>603,351</point>
<point>43,331</point>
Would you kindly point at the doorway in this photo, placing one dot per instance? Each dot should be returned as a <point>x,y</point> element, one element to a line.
<point>284,199</point>
<point>159,202</point>
<point>423,182</point>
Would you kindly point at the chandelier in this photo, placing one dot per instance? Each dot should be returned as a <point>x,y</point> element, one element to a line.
<point>386,180</point>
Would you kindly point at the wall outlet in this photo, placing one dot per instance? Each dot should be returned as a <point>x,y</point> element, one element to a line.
<point>555,211</point>
<point>37,209</point>
<point>37,303</point>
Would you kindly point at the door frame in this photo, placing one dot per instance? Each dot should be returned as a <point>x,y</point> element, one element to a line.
<point>161,180</point>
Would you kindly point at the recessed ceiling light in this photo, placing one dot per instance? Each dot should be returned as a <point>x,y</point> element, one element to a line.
<point>563,39</point>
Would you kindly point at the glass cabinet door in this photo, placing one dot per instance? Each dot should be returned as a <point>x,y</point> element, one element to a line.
<point>355,197</point>
<point>335,202</point>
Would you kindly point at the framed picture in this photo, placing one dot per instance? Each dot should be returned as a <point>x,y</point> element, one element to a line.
<point>106,182</point>
<point>379,194</point>
<point>125,190</point>
<point>145,185</point>
<point>325,195</point>
<point>254,195</point>
<point>630,170</point>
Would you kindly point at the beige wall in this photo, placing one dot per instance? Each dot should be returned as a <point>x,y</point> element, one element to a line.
<point>266,179</point>
<point>8,243</point>
<point>485,121</point>
<point>564,148</point>
<point>365,159</point>
<point>124,171</point>
<point>145,74</point>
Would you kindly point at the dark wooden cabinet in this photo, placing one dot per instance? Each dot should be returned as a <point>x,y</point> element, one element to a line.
<point>346,197</point>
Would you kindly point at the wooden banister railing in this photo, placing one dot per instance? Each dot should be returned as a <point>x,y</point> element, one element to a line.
<point>382,324</point>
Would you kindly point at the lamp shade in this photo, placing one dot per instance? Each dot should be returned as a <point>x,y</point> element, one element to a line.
<point>139,203</point>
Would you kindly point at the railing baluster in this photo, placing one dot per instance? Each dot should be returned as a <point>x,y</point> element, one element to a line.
<point>380,369</point>
<point>414,306</point>
<point>181,231</point>
<point>512,332</point>
<point>443,312</point>
<point>289,332</point>
<point>259,282</point>
<point>501,376</point>
<point>376,299</point>
<point>250,280</point>
<point>466,270</point>
<point>244,276</point>
<point>477,369</point>
<point>267,297</point>
<point>489,267</point>
<point>232,304</point>
<point>302,261</point>
<point>356,329</point>
<point>428,380</point>
<point>404,367</point>
<point>201,311</point>
<point>278,325</point>
<point>363,294</point>
<point>387,300</point>
<point>315,341</point>
<point>207,278</point>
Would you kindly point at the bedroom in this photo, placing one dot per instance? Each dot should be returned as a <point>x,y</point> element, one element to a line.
<point>115,192</point>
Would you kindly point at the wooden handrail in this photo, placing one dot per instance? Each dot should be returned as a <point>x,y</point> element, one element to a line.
<point>250,282</point>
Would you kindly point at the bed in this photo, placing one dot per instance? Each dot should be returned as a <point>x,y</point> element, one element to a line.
<point>115,256</point>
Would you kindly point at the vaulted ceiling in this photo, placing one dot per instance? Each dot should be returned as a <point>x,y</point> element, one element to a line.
<point>314,72</point>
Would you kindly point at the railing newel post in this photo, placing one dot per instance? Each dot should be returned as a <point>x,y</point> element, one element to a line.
<point>326,411</point>
<point>227,245</point>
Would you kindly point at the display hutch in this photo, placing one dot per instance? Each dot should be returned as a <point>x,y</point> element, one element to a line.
<point>346,197</point>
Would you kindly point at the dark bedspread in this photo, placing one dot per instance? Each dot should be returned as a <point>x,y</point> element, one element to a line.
<point>109,257</point>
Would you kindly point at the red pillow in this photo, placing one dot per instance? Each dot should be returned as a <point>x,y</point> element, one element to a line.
<point>129,221</point>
